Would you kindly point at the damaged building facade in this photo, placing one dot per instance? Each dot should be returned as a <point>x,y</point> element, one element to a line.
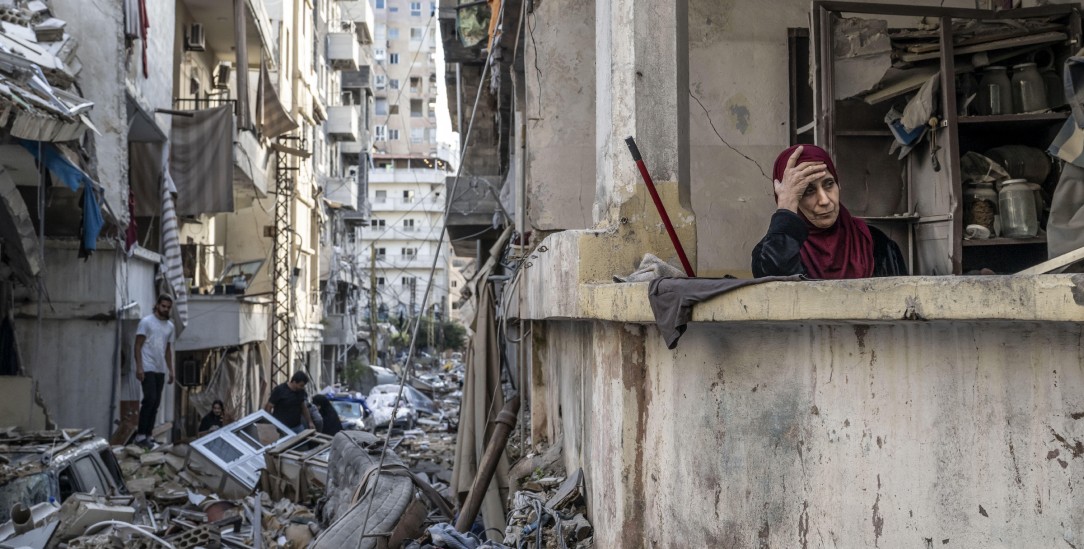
<point>941,408</point>
<point>193,149</point>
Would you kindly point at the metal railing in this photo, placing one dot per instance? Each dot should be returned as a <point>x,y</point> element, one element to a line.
<point>204,103</point>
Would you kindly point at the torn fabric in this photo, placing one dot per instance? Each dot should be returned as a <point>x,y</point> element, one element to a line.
<point>201,161</point>
<point>272,118</point>
<point>171,267</point>
<point>482,401</point>
<point>75,179</point>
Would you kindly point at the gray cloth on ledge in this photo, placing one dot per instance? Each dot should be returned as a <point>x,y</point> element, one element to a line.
<point>672,299</point>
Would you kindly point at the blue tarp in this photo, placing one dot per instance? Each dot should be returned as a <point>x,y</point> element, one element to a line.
<point>74,179</point>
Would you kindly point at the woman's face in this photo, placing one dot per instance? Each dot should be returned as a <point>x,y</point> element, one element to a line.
<point>216,409</point>
<point>820,202</point>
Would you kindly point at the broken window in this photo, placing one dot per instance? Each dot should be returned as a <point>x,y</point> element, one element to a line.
<point>29,490</point>
<point>416,109</point>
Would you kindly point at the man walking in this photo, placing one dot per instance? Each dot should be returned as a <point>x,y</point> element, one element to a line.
<point>154,359</point>
<point>287,403</point>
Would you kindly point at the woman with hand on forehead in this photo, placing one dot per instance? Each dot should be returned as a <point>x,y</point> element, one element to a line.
<point>811,233</point>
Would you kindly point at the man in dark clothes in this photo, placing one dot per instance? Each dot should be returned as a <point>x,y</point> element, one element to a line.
<point>288,403</point>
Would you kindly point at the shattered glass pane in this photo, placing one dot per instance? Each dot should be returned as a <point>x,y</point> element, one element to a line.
<point>29,490</point>
<point>224,450</point>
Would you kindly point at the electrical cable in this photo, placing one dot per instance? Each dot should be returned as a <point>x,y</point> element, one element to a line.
<point>428,286</point>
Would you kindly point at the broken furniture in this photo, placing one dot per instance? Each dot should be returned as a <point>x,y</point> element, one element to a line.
<point>919,200</point>
<point>297,468</point>
<point>233,456</point>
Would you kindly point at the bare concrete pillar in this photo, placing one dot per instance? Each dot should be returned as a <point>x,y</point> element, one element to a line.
<point>642,90</point>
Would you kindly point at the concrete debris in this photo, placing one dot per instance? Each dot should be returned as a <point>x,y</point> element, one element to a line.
<point>37,75</point>
<point>311,490</point>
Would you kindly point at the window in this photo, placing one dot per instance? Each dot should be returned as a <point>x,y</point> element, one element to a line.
<point>393,33</point>
<point>431,132</point>
<point>381,33</point>
<point>378,223</point>
<point>455,283</point>
<point>432,8</point>
<point>416,34</point>
<point>393,9</point>
<point>393,135</point>
<point>415,84</point>
<point>417,135</point>
<point>393,109</point>
<point>381,81</point>
<point>380,198</point>
<point>381,106</point>
<point>408,196</point>
<point>416,9</point>
<point>393,83</point>
<point>351,236</point>
<point>379,53</point>
<point>379,4</point>
<point>416,109</point>
<point>380,133</point>
<point>393,58</point>
<point>381,253</point>
<point>409,282</point>
<point>411,252</point>
<point>408,224</point>
<point>379,281</point>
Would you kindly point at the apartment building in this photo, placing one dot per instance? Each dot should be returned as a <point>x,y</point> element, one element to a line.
<point>406,177</point>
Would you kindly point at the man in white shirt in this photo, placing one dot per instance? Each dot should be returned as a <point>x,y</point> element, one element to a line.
<point>153,359</point>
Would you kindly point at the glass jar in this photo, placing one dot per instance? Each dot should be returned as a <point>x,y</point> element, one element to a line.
<point>980,204</point>
<point>1016,203</point>
<point>995,91</point>
<point>1028,89</point>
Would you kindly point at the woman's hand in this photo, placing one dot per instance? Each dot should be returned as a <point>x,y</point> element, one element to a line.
<point>796,178</point>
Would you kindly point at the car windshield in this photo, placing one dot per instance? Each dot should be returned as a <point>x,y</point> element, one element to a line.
<point>347,410</point>
<point>28,490</point>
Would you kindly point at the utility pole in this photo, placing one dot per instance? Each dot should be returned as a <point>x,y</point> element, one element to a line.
<point>373,336</point>
<point>432,342</point>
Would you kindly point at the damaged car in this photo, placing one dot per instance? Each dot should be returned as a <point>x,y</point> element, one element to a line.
<point>51,466</point>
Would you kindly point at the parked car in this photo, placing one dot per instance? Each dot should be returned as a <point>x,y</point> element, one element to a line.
<point>421,403</point>
<point>382,405</point>
<point>353,411</point>
<point>50,466</point>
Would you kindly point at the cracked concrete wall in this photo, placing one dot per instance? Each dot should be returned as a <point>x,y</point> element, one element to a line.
<point>559,74</point>
<point>958,434</point>
<point>98,25</point>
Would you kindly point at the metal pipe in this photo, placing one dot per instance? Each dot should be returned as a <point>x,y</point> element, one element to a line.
<point>658,205</point>
<point>506,421</point>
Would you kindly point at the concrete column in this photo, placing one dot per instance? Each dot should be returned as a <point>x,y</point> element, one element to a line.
<point>642,76</point>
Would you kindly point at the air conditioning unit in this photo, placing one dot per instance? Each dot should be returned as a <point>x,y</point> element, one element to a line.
<point>222,76</point>
<point>194,38</point>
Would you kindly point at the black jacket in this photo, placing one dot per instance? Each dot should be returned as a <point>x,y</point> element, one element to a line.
<point>777,253</point>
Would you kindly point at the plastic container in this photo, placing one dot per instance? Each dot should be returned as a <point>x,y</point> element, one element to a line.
<point>980,205</point>
<point>1016,205</point>
<point>1028,89</point>
<point>995,91</point>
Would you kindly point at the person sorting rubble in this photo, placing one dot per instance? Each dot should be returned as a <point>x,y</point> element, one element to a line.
<point>288,403</point>
<point>214,419</point>
<point>811,233</point>
<point>153,360</point>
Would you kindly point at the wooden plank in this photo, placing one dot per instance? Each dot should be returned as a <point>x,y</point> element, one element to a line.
<point>1030,40</point>
<point>950,149</point>
<point>1059,262</point>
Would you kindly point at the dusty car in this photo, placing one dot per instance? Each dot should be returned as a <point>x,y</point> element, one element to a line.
<point>382,405</point>
<point>421,403</point>
<point>50,466</point>
<point>353,412</point>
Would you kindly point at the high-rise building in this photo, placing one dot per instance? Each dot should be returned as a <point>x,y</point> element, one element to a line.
<point>406,177</point>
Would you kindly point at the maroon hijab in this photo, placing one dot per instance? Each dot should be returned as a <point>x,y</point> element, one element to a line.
<point>844,250</point>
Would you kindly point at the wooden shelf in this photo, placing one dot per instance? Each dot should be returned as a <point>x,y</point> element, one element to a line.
<point>1040,239</point>
<point>907,218</point>
<point>1015,118</point>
